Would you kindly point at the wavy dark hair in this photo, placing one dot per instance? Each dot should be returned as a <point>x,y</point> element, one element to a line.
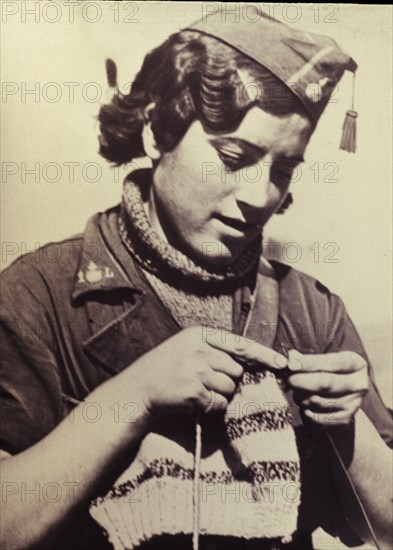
<point>191,76</point>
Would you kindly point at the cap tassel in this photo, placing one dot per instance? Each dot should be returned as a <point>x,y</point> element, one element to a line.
<point>348,137</point>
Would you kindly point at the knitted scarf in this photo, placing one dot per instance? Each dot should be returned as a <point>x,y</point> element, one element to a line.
<point>248,474</point>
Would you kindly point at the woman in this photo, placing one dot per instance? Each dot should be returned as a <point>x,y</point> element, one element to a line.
<point>180,326</point>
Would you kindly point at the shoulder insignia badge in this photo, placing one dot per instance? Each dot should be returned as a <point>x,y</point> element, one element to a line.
<point>94,274</point>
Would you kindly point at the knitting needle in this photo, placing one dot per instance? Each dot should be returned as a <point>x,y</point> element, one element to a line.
<point>197,469</point>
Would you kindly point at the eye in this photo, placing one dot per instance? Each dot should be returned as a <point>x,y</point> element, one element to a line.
<point>233,161</point>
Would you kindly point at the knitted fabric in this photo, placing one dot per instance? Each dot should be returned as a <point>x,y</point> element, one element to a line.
<point>160,257</point>
<point>249,470</point>
<point>190,309</point>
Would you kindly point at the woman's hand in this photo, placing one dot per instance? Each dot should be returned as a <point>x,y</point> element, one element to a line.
<point>329,388</point>
<point>185,373</point>
<point>197,370</point>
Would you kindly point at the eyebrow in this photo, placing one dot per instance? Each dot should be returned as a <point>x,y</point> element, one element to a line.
<point>243,143</point>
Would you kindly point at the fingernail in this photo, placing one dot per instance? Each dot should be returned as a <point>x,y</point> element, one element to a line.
<point>240,347</point>
<point>280,361</point>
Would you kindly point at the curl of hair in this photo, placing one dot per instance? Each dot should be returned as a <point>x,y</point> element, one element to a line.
<point>191,76</point>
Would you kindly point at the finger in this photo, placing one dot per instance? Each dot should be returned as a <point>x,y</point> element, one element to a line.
<point>318,403</point>
<point>246,350</point>
<point>219,383</point>
<point>329,418</point>
<point>342,361</point>
<point>329,383</point>
<point>214,402</point>
<point>226,365</point>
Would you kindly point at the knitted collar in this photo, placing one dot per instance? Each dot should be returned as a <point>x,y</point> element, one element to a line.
<point>156,255</point>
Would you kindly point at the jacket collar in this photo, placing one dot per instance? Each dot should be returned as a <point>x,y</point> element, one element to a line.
<point>119,334</point>
<point>98,269</point>
<point>118,339</point>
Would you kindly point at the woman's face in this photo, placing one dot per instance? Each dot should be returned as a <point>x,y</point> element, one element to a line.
<point>212,194</point>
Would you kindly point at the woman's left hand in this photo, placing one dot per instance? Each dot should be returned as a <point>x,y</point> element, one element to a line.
<point>329,389</point>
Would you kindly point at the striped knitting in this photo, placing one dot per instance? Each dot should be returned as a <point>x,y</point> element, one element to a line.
<point>249,472</point>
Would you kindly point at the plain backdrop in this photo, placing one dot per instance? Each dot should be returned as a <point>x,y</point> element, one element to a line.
<point>339,227</point>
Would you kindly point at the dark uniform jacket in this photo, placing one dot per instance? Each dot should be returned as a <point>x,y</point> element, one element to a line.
<point>77,312</point>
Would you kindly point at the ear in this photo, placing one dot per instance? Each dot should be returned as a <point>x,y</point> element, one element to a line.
<point>148,139</point>
<point>286,203</point>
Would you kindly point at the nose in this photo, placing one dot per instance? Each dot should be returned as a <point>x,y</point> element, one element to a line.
<point>254,186</point>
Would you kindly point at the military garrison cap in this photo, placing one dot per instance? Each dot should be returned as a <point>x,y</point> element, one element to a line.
<point>309,64</point>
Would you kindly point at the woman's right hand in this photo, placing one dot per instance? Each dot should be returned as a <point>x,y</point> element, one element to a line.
<point>185,374</point>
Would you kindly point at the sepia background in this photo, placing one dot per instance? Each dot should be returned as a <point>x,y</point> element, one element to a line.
<point>339,227</point>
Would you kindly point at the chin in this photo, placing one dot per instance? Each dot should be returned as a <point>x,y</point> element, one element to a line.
<point>215,253</point>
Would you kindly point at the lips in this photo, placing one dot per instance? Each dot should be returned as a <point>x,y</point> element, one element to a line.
<point>235,223</point>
